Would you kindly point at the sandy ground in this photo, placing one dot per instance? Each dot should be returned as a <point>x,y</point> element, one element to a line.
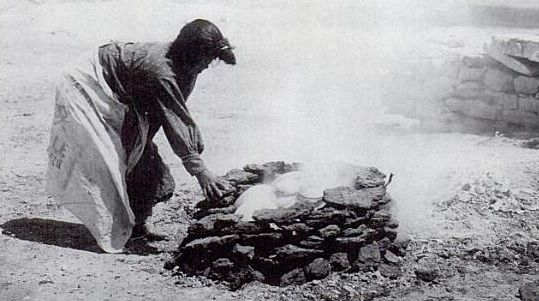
<point>457,196</point>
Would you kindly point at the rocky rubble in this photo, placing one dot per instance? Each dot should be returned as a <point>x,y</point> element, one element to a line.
<point>349,229</point>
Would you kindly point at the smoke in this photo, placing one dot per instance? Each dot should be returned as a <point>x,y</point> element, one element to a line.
<point>312,82</point>
<point>309,87</point>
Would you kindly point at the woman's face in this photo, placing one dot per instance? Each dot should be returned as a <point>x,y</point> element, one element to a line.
<point>202,64</point>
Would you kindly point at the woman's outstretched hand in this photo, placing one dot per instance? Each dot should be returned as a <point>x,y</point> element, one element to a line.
<point>212,187</point>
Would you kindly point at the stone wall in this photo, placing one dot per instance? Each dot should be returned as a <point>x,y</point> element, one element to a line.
<point>501,85</point>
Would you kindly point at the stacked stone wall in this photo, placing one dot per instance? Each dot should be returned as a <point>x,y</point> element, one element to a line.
<point>349,229</point>
<point>501,85</point>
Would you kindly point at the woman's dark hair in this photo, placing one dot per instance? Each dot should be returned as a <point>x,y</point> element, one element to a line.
<point>201,40</point>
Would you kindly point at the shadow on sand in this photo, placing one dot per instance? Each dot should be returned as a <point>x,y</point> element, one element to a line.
<point>65,235</point>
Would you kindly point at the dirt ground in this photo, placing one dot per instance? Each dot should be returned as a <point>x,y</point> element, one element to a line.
<point>470,204</point>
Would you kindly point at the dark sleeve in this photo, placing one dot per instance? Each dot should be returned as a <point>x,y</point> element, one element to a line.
<point>180,129</point>
<point>113,68</point>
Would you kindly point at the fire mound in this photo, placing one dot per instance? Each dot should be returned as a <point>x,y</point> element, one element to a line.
<point>349,229</point>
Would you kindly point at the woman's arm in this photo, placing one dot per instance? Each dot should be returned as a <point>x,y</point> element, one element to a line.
<point>185,138</point>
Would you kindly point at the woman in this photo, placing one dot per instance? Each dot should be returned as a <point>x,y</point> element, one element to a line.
<point>156,80</point>
<point>152,82</point>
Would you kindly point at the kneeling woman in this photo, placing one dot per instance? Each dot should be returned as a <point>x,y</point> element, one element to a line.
<point>151,82</point>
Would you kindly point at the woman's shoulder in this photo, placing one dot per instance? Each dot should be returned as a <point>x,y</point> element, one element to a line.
<point>138,54</point>
<point>145,60</point>
<point>155,59</point>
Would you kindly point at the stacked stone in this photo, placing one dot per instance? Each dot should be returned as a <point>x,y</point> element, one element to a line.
<point>502,85</point>
<point>350,229</point>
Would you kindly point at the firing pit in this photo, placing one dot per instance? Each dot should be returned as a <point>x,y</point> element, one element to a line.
<point>348,229</point>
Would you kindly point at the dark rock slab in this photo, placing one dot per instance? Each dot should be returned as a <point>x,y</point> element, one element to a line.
<point>339,261</point>
<point>372,234</point>
<point>297,228</point>
<point>268,266</point>
<point>294,254</point>
<point>268,172</point>
<point>353,236</point>
<point>368,257</point>
<point>241,177</point>
<point>284,215</point>
<point>348,232</point>
<point>378,235</point>
<point>318,269</point>
<point>224,210</point>
<point>384,203</point>
<point>346,197</point>
<point>384,243</point>
<point>312,242</point>
<point>212,242</point>
<point>243,253</point>
<point>257,276</point>
<point>225,201</point>
<point>294,277</point>
<point>262,240</point>
<point>277,216</point>
<point>369,177</point>
<point>211,223</point>
<point>327,216</point>
<point>307,205</point>
<point>189,263</point>
<point>355,221</point>
<point>243,275</point>
<point>223,220</point>
<point>245,228</point>
<point>330,231</point>
<point>350,243</point>
<point>223,269</point>
<point>379,219</point>
<point>259,169</point>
